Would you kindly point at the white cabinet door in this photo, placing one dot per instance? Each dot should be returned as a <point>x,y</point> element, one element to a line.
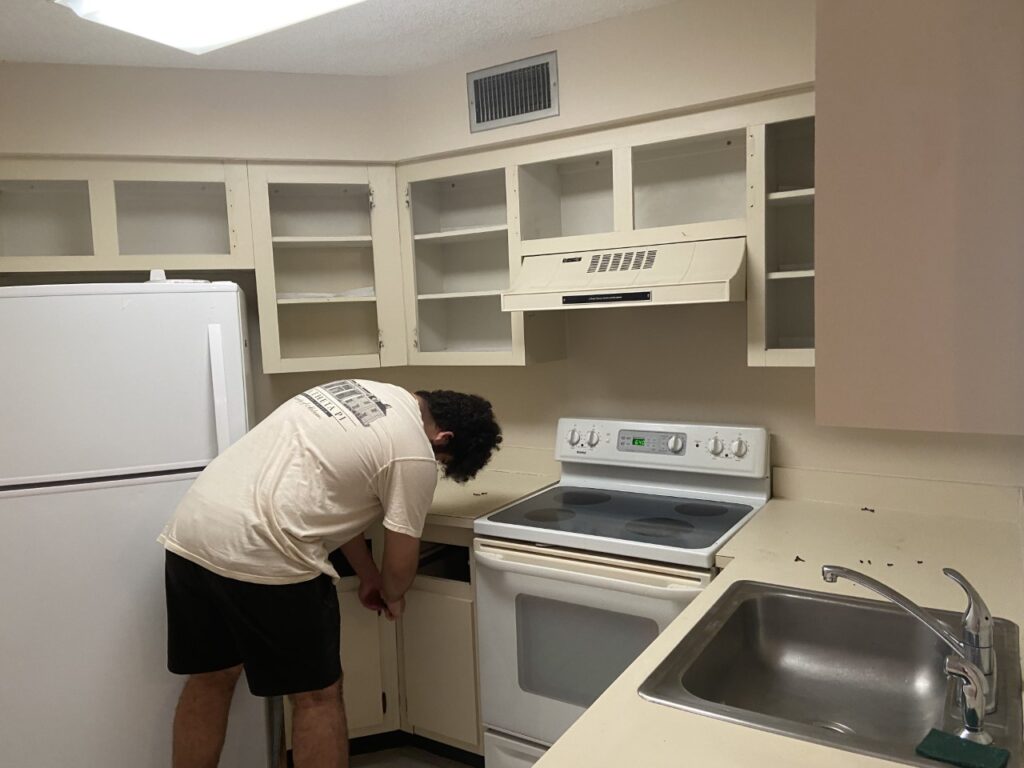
<point>370,683</point>
<point>439,656</point>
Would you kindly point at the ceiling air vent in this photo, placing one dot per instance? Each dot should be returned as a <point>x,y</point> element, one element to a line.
<point>512,93</point>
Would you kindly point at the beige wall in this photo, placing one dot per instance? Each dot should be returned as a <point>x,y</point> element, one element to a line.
<point>665,59</point>
<point>679,55</point>
<point>57,109</point>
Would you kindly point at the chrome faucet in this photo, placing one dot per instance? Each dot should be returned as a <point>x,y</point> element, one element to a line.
<point>975,645</point>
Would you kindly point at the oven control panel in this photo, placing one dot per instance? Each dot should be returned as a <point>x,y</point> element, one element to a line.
<point>709,448</point>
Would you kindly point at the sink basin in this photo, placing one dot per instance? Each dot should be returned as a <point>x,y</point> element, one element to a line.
<point>852,673</point>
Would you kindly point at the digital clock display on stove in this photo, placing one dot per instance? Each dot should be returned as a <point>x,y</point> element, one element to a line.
<point>639,441</point>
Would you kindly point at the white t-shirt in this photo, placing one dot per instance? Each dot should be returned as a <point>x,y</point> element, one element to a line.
<point>311,476</point>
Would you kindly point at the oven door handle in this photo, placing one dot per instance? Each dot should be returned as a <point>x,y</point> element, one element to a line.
<point>643,584</point>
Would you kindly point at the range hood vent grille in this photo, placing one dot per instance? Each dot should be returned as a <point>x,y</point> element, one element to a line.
<point>621,261</point>
<point>513,93</point>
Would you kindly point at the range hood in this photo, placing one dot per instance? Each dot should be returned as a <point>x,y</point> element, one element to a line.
<point>673,273</point>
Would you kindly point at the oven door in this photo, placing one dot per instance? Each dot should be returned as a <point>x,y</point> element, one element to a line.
<point>556,627</point>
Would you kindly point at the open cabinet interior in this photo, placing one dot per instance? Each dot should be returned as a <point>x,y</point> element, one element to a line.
<point>45,218</point>
<point>789,234</point>
<point>172,217</point>
<point>466,203</point>
<point>319,210</point>
<point>323,269</point>
<point>464,324</point>
<point>689,180</point>
<point>560,198</point>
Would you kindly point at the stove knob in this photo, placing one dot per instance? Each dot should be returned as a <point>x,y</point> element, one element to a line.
<point>738,447</point>
<point>675,443</point>
<point>716,446</point>
<point>573,437</point>
<point>593,438</point>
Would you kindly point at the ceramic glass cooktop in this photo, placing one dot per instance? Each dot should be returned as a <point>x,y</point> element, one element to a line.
<point>663,520</point>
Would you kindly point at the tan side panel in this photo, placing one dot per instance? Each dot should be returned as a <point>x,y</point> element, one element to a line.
<point>919,232</point>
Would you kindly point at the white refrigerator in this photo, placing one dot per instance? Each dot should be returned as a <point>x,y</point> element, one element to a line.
<point>112,398</point>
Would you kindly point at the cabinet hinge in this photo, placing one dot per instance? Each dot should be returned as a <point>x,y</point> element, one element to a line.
<point>408,196</point>
<point>384,702</point>
<point>371,198</point>
<point>416,338</point>
<point>380,339</point>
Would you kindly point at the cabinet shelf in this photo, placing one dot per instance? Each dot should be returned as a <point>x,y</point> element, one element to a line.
<point>323,298</point>
<point>791,274</point>
<point>456,295</point>
<point>302,242</point>
<point>792,197</point>
<point>464,235</point>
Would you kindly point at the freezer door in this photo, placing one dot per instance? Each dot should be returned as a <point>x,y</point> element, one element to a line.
<point>83,631</point>
<point>107,380</point>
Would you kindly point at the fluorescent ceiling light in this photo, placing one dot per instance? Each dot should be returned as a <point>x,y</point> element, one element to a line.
<point>199,26</point>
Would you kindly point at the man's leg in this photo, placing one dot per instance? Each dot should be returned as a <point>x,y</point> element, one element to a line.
<point>201,720</point>
<point>319,729</point>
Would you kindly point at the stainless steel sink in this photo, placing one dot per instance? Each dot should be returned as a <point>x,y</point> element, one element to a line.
<point>856,674</point>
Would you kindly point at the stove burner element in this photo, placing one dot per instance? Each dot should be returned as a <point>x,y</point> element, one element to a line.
<point>698,509</point>
<point>549,515</point>
<point>659,527</point>
<point>580,498</point>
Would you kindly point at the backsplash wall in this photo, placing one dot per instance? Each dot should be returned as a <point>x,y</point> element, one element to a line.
<point>689,363</point>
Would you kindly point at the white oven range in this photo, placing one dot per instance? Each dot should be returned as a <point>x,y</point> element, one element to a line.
<point>576,580</point>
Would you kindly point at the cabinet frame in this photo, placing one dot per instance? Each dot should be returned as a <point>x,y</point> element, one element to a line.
<point>542,347</point>
<point>759,354</point>
<point>387,270</point>
<point>101,175</point>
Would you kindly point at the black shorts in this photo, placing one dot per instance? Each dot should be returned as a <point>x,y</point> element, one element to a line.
<point>287,636</point>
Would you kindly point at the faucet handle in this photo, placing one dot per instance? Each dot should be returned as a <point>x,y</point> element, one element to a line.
<point>972,699</point>
<point>977,619</point>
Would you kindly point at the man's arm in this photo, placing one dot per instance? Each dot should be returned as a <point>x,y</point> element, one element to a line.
<point>358,556</point>
<point>401,560</point>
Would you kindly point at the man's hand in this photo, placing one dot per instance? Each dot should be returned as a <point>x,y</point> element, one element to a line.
<point>369,595</point>
<point>395,608</point>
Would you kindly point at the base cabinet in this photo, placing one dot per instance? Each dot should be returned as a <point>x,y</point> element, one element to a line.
<point>418,674</point>
<point>439,662</point>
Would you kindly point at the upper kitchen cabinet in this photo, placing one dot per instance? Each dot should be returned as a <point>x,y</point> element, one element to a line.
<point>121,215</point>
<point>649,185</point>
<point>566,197</point>
<point>780,243</point>
<point>459,254</point>
<point>919,235</point>
<point>327,267</point>
<point>690,181</point>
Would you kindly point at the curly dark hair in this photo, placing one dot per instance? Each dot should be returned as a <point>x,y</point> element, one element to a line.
<point>475,433</point>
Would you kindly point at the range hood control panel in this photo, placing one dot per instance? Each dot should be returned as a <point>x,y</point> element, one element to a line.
<point>709,448</point>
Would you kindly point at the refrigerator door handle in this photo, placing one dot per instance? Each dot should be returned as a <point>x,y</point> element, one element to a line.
<point>220,387</point>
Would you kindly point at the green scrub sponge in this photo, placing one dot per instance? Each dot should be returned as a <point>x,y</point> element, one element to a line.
<point>951,749</point>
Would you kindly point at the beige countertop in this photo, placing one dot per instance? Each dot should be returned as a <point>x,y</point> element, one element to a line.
<point>514,473</point>
<point>786,543</point>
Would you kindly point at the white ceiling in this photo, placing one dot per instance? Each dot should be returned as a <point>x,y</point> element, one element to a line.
<point>377,37</point>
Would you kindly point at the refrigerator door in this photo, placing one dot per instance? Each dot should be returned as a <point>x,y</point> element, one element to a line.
<point>83,631</point>
<point>109,380</point>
